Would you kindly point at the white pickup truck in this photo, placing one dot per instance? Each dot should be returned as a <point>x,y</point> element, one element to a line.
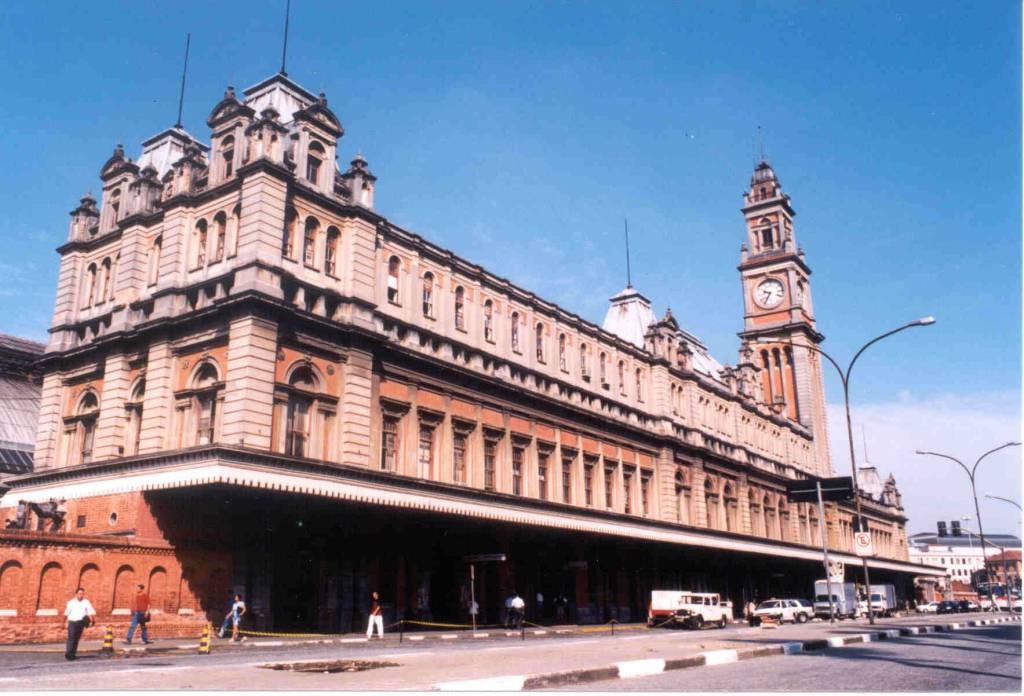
<point>690,609</point>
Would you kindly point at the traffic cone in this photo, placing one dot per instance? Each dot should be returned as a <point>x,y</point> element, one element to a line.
<point>204,640</point>
<point>108,643</point>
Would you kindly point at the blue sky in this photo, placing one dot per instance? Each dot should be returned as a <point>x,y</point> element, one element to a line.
<point>521,134</point>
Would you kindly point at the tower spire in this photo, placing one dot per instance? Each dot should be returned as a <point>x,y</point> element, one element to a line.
<point>184,73</point>
<point>629,274</point>
<point>284,49</point>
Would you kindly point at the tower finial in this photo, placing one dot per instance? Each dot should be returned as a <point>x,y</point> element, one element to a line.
<point>864,436</point>
<point>284,49</point>
<point>629,275</point>
<point>184,72</point>
<point>760,142</point>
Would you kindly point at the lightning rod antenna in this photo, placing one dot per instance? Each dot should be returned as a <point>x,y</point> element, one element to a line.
<point>184,72</point>
<point>629,274</point>
<point>284,50</point>
<point>864,436</point>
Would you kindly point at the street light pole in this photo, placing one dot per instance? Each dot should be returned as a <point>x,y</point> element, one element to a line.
<point>844,377</point>
<point>977,508</point>
<point>1009,598</point>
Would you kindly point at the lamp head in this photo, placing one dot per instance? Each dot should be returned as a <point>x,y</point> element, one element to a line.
<point>924,321</point>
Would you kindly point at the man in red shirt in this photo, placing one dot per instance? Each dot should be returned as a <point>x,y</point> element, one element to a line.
<point>140,615</point>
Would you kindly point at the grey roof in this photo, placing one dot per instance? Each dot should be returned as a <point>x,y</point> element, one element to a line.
<point>19,403</point>
<point>933,539</point>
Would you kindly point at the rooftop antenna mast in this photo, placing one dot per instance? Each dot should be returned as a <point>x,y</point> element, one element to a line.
<point>760,142</point>
<point>184,72</point>
<point>629,275</point>
<point>864,436</point>
<point>284,50</point>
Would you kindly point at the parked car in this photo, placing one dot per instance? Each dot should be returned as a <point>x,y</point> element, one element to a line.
<point>968,605</point>
<point>948,607</point>
<point>691,609</point>
<point>794,610</point>
<point>928,608</point>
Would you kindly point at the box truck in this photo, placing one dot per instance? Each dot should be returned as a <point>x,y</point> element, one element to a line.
<point>844,599</point>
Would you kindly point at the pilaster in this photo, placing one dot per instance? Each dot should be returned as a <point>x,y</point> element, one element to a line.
<point>157,402</point>
<point>356,409</point>
<point>110,426</point>
<point>49,423</point>
<point>249,391</point>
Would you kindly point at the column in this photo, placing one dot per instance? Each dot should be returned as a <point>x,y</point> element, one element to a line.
<point>110,426</point>
<point>355,412</point>
<point>249,392</point>
<point>157,403</point>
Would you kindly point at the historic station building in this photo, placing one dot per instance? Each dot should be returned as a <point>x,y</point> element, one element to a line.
<point>256,381</point>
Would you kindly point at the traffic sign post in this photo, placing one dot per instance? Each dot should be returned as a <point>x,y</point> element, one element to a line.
<point>473,560</point>
<point>819,490</point>
<point>862,545</point>
<point>824,550</point>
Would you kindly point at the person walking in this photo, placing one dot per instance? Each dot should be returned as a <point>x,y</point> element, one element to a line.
<point>506,619</point>
<point>518,608</point>
<point>237,612</point>
<point>560,604</point>
<point>77,617</point>
<point>226,624</point>
<point>140,615</point>
<point>376,617</point>
<point>539,611</point>
<point>751,606</point>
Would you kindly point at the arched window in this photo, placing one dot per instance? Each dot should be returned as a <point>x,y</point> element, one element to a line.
<point>460,308</point>
<point>313,161</point>
<point>154,260</point>
<point>90,286</point>
<point>300,408</point>
<point>489,321</point>
<point>331,251</point>
<point>538,332</point>
<point>603,369</point>
<point>731,507</point>
<point>682,498</point>
<point>639,384</point>
<point>227,148</point>
<point>622,377</point>
<point>236,215</point>
<point>220,227</point>
<point>288,240</point>
<point>754,506</point>
<point>309,241</point>
<point>105,282</point>
<point>784,529</point>
<point>428,294</point>
<point>133,414</point>
<point>206,386</point>
<point>199,244</point>
<point>711,503</point>
<point>81,427</point>
<point>584,365</point>
<point>563,359</point>
<point>115,208</point>
<point>393,267</point>
<point>770,517</point>
<point>514,333</point>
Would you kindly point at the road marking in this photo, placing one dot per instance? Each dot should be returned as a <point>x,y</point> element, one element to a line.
<point>510,683</point>
<point>448,636</point>
<point>720,657</point>
<point>635,637</point>
<point>792,648</point>
<point>415,637</point>
<point>359,640</point>
<point>640,668</point>
<point>836,642</point>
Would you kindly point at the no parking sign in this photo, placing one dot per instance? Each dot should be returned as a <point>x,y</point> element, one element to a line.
<point>862,545</point>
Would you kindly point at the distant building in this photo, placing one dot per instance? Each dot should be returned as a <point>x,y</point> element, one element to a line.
<point>20,387</point>
<point>958,550</point>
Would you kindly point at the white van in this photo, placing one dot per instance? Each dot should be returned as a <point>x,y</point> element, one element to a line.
<point>691,609</point>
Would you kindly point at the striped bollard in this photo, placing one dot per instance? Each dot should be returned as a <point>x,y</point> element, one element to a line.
<point>108,643</point>
<point>204,640</point>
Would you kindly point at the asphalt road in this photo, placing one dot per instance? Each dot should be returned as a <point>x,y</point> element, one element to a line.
<point>979,659</point>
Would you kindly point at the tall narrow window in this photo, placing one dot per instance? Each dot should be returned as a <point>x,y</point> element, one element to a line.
<point>90,285</point>
<point>389,443</point>
<point>622,378</point>
<point>227,147</point>
<point>567,461</point>
<point>517,470</point>
<point>205,405</point>
<point>627,491</point>
<point>199,238</point>
<point>393,267</point>
<point>514,333</point>
<point>603,367</point>
<point>766,238</point>
<point>539,339</point>
<point>133,412</point>
<point>588,483</point>
<point>563,360</point>
<point>220,226</point>
<point>297,435</point>
<point>609,490</point>
<point>309,242</point>
<point>331,251</point>
<point>425,459</point>
<point>682,499</point>
<point>104,292</point>
<point>490,452</point>
<point>460,308</point>
<point>288,240</point>
<point>542,474</point>
<point>154,260</point>
<point>645,494</point>
<point>584,367</point>
<point>489,321</point>
<point>639,385</point>
<point>313,162</point>
<point>428,294</point>
<point>459,457</point>
<point>86,416</point>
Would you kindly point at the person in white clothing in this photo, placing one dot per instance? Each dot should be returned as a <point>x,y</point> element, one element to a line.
<point>77,617</point>
<point>376,618</point>
<point>518,607</point>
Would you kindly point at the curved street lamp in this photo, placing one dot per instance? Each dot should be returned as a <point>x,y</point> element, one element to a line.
<point>977,509</point>
<point>844,377</point>
<point>1005,500</point>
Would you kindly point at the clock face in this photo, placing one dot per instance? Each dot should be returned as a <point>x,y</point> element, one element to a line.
<point>769,293</point>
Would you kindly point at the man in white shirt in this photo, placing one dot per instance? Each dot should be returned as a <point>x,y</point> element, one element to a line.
<point>77,616</point>
<point>518,608</point>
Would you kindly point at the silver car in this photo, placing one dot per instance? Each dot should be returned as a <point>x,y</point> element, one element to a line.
<point>794,610</point>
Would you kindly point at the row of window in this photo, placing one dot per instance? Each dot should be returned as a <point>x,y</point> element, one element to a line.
<point>99,282</point>
<point>318,249</point>
<point>554,480</point>
<point>516,323</point>
<point>203,253</point>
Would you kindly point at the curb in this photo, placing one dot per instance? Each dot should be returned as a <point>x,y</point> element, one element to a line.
<point>643,668</point>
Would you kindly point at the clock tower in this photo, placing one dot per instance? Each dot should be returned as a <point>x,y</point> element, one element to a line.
<point>778,315</point>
